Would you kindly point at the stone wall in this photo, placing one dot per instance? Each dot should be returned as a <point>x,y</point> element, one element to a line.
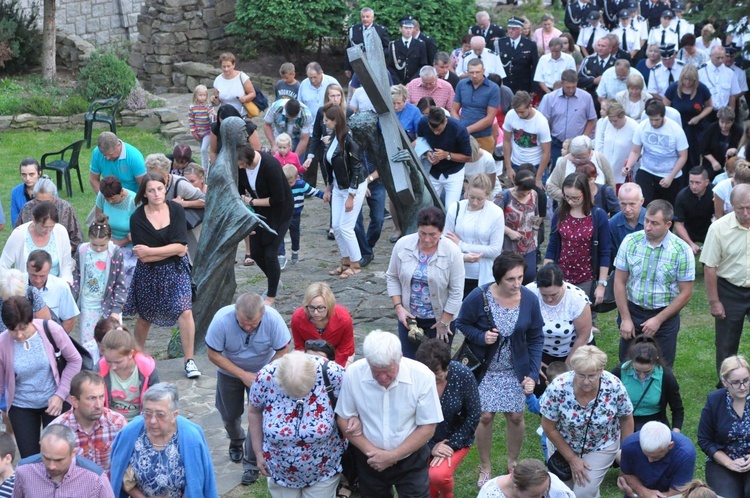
<point>72,51</point>
<point>175,31</point>
<point>100,22</point>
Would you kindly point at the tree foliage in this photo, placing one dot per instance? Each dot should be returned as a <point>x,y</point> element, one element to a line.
<point>289,26</point>
<point>19,37</point>
<point>447,21</point>
<point>104,76</point>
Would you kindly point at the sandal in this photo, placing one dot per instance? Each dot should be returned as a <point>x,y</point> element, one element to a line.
<point>484,476</point>
<point>248,260</point>
<point>338,270</point>
<point>349,272</point>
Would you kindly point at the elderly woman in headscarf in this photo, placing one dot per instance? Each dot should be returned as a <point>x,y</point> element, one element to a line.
<point>46,190</point>
<point>581,151</point>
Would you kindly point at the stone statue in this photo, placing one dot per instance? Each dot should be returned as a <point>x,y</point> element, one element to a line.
<point>226,222</point>
<point>389,148</point>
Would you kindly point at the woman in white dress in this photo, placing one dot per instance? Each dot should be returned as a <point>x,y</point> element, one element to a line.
<point>529,478</point>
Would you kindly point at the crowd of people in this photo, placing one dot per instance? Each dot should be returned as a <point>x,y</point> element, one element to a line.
<point>628,126</point>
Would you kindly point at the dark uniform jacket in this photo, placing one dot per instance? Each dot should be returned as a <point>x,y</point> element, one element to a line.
<point>519,64</point>
<point>430,45</point>
<point>591,69</point>
<point>652,12</point>
<point>493,33</point>
<point>356,37</point>
<point>403,64</point>
<point>575,16</point>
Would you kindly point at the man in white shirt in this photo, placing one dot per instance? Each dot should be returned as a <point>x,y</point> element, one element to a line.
<point>313,88</point>
<point>55,291</point>
<point>550,66</point>
<point>628,34</point>
<point>397,403</point>
<point>664,35</point>
<point>665,72</point>
<point>526,137</point>
<point>490,60</point>
<point>591,33</point>
<point>720,80</point>
<point>679,25</point>
<point>740,74</point>
<point>613,79</point>
<point>661,145</point>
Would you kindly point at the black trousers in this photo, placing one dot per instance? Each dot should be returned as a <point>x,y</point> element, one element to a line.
<point>409,476</point>
<point>652,190</point>
<point>736,302</point>
<point>27,426</point>
<point>264,249</point>
<point>726,483</point>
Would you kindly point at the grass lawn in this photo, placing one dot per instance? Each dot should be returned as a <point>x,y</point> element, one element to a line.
<point>17,145</point>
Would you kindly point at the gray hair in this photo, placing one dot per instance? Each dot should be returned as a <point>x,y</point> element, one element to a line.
<point>442,57</point>
<point>107,142</point>
<point>400,91</point>
<point>161,392</point>
<point>556,42</point>
<point>482,14</point>
<point>158,162</point>
<point>295,374</point>
<point>739,192</point>
<point>60,432</point>
<point>366,9</point>
<point>654,437</point>
<point>12,283</point>
<point>580,145</point>
<point>315,67</point>
<point>631,187</point>
<point>427,72</point>
<point>249,305</point>
<point>622,63</point>
<point>45,185</point>
<point>382,349</point>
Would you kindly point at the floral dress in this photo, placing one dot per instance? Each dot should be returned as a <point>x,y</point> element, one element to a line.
<point>500,390</point>
<point>522,218</point>
<point>301,443</point>
<point>158,472</point>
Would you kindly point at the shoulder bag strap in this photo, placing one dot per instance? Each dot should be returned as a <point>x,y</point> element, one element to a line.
<point>643,394</point>
<point>591,415</point>
<point>327,382</point>
<point>50,339</point>
<point>455,224</point>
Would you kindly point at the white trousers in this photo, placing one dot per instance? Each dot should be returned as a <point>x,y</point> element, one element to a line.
<point>452,186</point>
<point>343,222</point>
<point>321,489</point>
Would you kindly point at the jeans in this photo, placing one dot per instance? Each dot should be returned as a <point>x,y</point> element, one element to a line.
<point>376,202</point>
<point>230,402</point>
<point>294,232</point>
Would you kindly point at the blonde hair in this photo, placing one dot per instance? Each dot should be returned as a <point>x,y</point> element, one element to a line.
<point>120,341</point>
<point>634,81</point>
<point>283,139</point>
<point>688,71</point>
<point>319,289</point>
<point>199,88</point>
<point>400,91</point>
<point>290,171</point>
<point>616,110</point>
<point>295,374</point>
<point>482,182</point>
<point>588,359</point>
<point>731,364</point>
<point>697,489</point>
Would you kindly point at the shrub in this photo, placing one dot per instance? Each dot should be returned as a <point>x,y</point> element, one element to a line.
<point>19,37</point>
<point>136,99</point>
<point>104,76</point>
<point>40,105</point>
<point>73,105</point>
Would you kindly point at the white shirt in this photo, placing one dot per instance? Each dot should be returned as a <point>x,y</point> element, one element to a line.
<point>658,82</point>
<point>741,77</point>
<point>615,144</point>
<point>641,25</point>
<point>485,164</point>
<point>721,81</point>
<point>389,415</point>
<point>313,97</point>
<point>610,85</point>
<point>670,36</point>
<point>527,137</point>
<point>742,39</point>
<point>633,37</point>
<point>706,48</point>
<point>660,146</point>
<point>549,70</point>
<point>490,60</point>
<point>360,101</point>
<point>685,27</point>
<point>585,34</point>
<point>723,190</point>
<point>58,297</point>
<point>633,109</point>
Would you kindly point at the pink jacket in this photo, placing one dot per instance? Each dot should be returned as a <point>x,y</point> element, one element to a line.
<point>147,374</point>
<point>69,352</point>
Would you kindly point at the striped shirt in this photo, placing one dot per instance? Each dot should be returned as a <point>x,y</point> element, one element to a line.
<point>84,479</point>
<point>95,445</point>
<point>6,488</point>
<point>654,272</point>
<point>199,119</point>
<point>302,189</point>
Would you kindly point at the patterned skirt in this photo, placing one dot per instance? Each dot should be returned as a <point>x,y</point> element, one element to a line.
<point>159,294</point>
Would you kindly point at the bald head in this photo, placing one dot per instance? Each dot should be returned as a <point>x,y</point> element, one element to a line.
<point>477,44</point>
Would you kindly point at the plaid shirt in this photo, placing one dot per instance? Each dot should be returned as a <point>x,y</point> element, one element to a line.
<point>654,271</point>
<point>83,480</point>
<point>442,93</point>
<point>95,445</point>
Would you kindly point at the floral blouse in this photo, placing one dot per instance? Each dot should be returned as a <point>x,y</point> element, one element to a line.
<point>301,443</point>
<point>158,473</point>
<point>738,439</point>
<point>559,404</point>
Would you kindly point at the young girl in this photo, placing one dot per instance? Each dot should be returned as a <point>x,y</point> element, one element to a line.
<point>127,372</point>
<point>284,153</point>
<point>200,116</point>
<point>98,281</point>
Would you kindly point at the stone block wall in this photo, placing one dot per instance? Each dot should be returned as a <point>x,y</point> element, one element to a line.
<point>72,51</point>
<point>178,31</point>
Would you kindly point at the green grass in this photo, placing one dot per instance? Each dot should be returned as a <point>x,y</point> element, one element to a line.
<point>16,145</point>
<point>29,94</point>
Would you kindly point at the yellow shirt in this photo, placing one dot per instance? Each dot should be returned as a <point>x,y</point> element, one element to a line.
<point>727,248</point>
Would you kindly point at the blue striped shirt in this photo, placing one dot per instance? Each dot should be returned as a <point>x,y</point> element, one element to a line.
<point>302,189</point>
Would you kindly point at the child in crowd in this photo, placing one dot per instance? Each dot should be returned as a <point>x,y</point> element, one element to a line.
<point>7,455</point>
<point>300,190</point>
<point>200,116</point>
<point>285,155</point>
<point>98,281</point>
<point>288,86</point>
<point>127,372</point>
<point>532,402</point>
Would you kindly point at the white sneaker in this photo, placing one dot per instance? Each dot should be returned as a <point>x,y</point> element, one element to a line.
<point>282,262</point>
<point>191,370</point>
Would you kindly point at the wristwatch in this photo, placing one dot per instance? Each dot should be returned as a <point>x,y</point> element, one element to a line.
<point>449,156</point>
<point>601,282</point>
<point>370,179</point>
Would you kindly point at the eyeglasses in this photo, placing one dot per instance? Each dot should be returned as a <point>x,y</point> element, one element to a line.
<point>315,344</point>
<point>739,383</point>
<point>316,309</point>
<point>589,377</point>
<point>573,198</point>
<point>149,414</point>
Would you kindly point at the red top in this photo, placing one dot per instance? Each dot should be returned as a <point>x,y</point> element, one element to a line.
<point>339,332</point>
<point>576,235</point>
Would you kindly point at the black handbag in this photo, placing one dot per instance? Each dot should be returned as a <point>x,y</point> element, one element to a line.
<point>608,302</point>
<point>87,360</point>
<point>557,464</point>
<point>193,216</point>
<point>466,356</point>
